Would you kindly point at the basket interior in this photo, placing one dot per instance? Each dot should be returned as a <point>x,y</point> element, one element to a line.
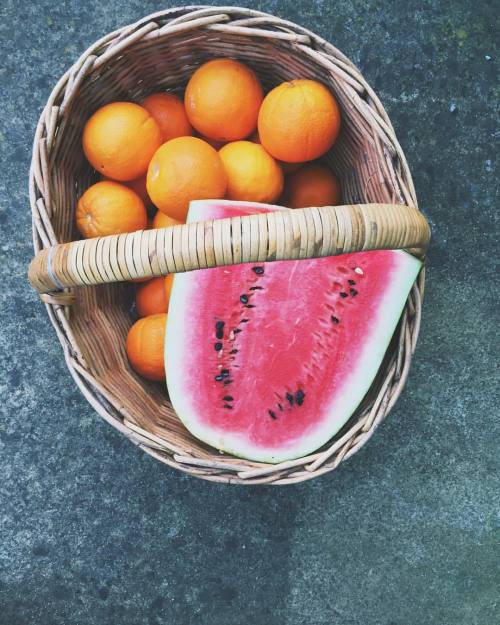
<point>101,317</point>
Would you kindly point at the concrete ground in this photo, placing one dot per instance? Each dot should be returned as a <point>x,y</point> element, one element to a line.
<point>92,531</point>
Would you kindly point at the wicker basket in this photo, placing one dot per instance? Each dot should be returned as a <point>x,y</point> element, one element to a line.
<point>161,52</point>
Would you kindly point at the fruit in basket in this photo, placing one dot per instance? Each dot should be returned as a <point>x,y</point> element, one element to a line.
<point>138,186</point>
<point>145,346</point>
<point>287,168</point>
<point>120,139</point>
<point>252,174</point>
<point>217,145</point>
<point>312,185</point>
<point>109,207</point>
<point>170,115</point>
<point>182,170</point>
<point>222,100</point>
<point>268,361</point>
<point>152,297</point>
<point>299,121</point>
<point>160,220</point>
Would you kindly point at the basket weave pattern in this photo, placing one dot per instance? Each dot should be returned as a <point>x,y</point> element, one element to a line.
<point>161,51</point>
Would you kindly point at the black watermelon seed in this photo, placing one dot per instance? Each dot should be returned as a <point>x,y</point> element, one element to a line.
<point>334,319</point>
<point>218,378</point>
<point>258,270</point>
<point>236,330</point>
<point>228,406</point>
<point>219,333</point>
<point>244,321</point>
<point>233,351</point>
<point>256,288</point>
<point>353,292</point>
<point>272,414</point>
<point>352,282</point>
<point>280,407</point>
<point>243,299</point>
<point>343,295</point>
<point>224,373</point>
<point>219,325</point>
<point>227,398</point>
<point>249,305</point>
<point>289,397</point>
<point>299,397</point>
<point>218,347</point>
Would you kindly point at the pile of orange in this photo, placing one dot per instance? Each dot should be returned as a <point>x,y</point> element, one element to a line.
<point>226,139</point>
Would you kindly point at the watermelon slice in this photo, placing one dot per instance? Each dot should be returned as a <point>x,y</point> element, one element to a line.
<point>267,361</point>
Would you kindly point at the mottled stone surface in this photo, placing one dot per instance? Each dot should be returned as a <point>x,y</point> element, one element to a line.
<point>406,532</point>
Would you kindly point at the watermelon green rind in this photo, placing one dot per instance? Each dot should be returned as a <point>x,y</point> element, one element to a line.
<point>342,405</point>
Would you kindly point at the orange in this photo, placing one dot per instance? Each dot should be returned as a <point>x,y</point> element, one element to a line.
<point>168,284</point>
<point>299,121</point>
<point>217,145</point>
<point>145,346</point>
<point>287,168</point>
<point>313,185</point>
<point>152,297</point>
<point>160,220</point>
<point>139,186</point>
<point>120,139</point>
<point>168,111</point>
<point>109,207</point>
<point>252,174</point>
<point>182,170</point>
<point>222,100</point>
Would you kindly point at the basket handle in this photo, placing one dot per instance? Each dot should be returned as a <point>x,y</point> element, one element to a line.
<point>278,235</point>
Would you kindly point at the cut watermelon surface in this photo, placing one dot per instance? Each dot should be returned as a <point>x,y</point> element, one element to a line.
<point>267,361</point>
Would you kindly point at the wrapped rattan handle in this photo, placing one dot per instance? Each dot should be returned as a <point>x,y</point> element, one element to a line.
<point>278,235</point>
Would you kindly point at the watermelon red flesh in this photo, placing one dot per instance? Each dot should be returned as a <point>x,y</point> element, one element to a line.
<point>267,361</point>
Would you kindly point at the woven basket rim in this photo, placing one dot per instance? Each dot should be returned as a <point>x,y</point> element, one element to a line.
<point>224,468</point>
